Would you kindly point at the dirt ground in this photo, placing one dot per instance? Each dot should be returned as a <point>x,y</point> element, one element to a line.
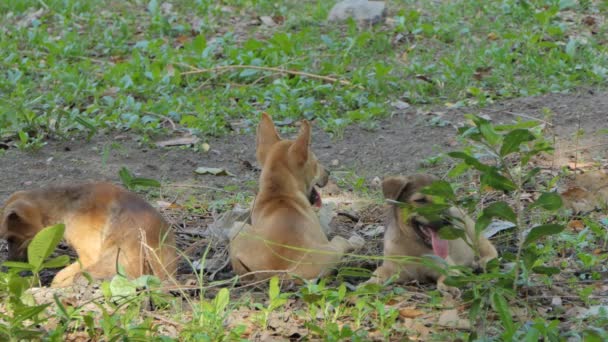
<point>400,145</point>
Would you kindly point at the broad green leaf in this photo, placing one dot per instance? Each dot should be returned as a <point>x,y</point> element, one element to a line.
<point>56,262</point>
<point>546,270</point>
<point>497,181</point>
<point>21,313</point>
<point>125,177</point>
<point>470,160</point>
<point>248,72</point>
<point>489,134</point>
<point>43,244</point>
<point>199,44</point>
<point>441,189</point>
<point>548,201</point>
<point>451,233</point>
<point>502,308</point>
<point>273,288</point>
<point>513,139</point>
<point>458,170</point>
<point>221,300</point>
<point>18,265</point>
<point>501,210</point>
<point>147,281</point>
<point>120,286</point>
<point>147,182</point>
<point>541,231</point>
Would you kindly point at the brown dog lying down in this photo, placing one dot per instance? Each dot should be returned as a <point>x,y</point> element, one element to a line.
<point>586,192</point>
<point>102,222</point>
<point>285,235</point>
<point>415,236</point>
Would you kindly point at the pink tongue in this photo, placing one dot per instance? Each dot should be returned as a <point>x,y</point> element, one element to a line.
<point>317,199</point>
<point>440,246</point>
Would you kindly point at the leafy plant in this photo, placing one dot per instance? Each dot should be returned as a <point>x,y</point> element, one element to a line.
<point>131,182</point>
<point>39,249</point>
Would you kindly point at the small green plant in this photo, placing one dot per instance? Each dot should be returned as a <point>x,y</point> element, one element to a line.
<point>23,315</point>
<point>500,155</point>
<point>276,299</point>
<point>130,182</point>
<point>27,143</point>
<point>39,249</point>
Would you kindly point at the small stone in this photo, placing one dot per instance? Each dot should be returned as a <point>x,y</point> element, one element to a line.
<point>376,182</point>
<point>335,162</point>
<point>363,11</point>
<point>400,105</point>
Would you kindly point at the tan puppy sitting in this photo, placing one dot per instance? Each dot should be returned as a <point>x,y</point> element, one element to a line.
<point>415,236</point>
<point>285,235</point>
<point>103,222</point>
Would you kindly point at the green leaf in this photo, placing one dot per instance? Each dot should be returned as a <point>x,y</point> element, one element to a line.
<point>199,44</point>
<point>470,160</point>
<point>502,308</point>
<point>146,182</point>
<point>221,300</point>
<point>541,231</point>
<point>122,287</point>
<point>57,262</point>
<point>21,313</point>
<point>125,177</point>
<point>546,270</point>
<point>497,181</point>
<point>89,125</point>
<point>489,134</point>
<point>451,233</point>
<point>501,210</point>
<point>441,189</point>
<point>513,139</point>
<point>248,72</point>
<point>458,170</point>
<point>273,288</point>
<point>548,201</point>
<point>43,244</point>
<point>18,265</point>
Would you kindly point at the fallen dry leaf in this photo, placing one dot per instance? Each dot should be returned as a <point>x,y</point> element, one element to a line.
<point>188,140</point>
<point>410,312</point>
<point>576,225</point>
<point>216,171</point>
<point>449,318</point>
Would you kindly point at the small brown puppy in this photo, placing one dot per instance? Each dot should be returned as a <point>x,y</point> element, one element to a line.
<point>415,236</point>
<point>285,235</point>
<point>103,222</point>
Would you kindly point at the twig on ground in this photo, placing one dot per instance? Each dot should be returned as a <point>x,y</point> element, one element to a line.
<point>519,114</point>
<point>273,69</point>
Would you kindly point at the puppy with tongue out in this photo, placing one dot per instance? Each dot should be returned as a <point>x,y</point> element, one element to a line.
<point>285,235</point>
<point>413,235</point>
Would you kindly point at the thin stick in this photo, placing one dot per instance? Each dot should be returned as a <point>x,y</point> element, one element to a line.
<point>518,114</point>
<point>255,67</point>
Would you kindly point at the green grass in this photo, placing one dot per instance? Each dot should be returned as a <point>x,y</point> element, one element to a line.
<point>87,65</point>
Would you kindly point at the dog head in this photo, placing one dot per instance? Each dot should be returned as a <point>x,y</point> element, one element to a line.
<point>293,155</point>
<point>19,222</point>
<point>411,202</point>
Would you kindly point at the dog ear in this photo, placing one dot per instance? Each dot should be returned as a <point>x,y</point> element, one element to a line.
<point>20,215</point>
<point>300,147</point>
<point>266,137</point>
<point>394,187</point>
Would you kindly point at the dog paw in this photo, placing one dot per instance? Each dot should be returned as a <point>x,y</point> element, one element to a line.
<point>356,242</point>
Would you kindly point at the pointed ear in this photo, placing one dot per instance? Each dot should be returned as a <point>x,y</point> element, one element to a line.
<point>19,214</point>
<point>299,149</point>
<point>394,187</point>
<point>266,137</point>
